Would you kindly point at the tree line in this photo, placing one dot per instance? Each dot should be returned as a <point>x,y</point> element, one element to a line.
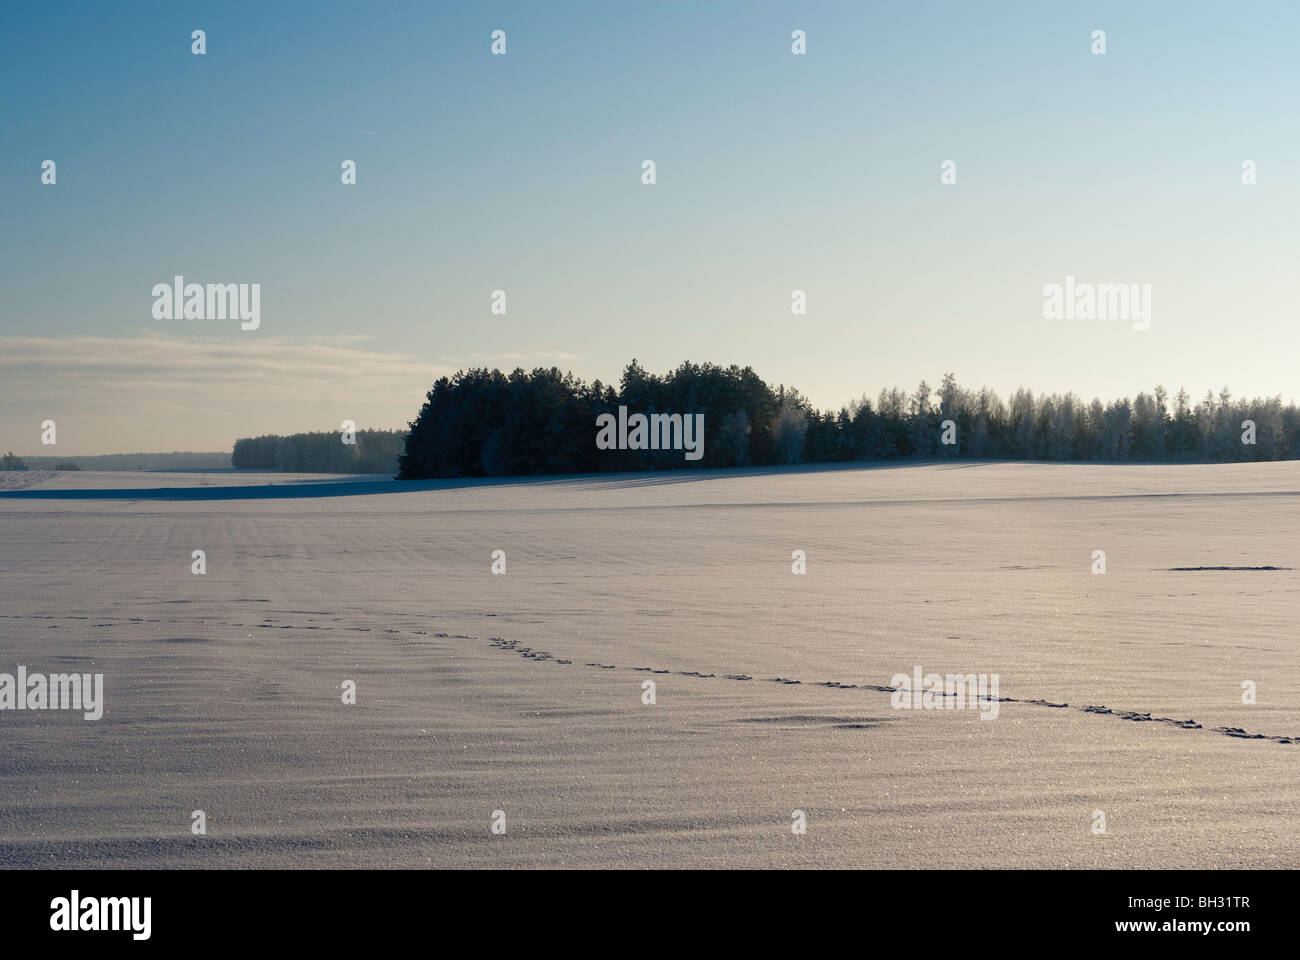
<point>484,422</point>
<point>11,462</point>
<point>375,451</point>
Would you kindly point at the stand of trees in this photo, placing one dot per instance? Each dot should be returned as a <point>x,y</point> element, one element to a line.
<point>487,423</point>
<point>375,451</point>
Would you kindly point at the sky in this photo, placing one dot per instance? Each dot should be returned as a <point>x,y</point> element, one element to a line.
<point>775,172</point>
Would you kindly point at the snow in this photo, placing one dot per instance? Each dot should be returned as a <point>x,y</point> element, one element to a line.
<point>223,691</point>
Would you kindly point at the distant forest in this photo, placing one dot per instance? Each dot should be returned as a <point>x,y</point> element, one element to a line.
<point>487,423</point>
<point>375,451</point>
<point>135,461</point>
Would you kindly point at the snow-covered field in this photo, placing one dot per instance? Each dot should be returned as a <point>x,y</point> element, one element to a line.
<point>523,693</point>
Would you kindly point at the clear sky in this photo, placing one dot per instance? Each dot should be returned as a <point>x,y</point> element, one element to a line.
<point>522,172</point>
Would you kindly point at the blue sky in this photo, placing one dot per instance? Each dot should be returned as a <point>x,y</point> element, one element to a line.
<point>775,172</point>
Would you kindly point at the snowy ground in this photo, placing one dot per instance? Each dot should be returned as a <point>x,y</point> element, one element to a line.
<point>523,692</point>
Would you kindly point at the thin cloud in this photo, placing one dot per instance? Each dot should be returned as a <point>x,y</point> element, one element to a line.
<point>155,390</point>
<point>167,392</point>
